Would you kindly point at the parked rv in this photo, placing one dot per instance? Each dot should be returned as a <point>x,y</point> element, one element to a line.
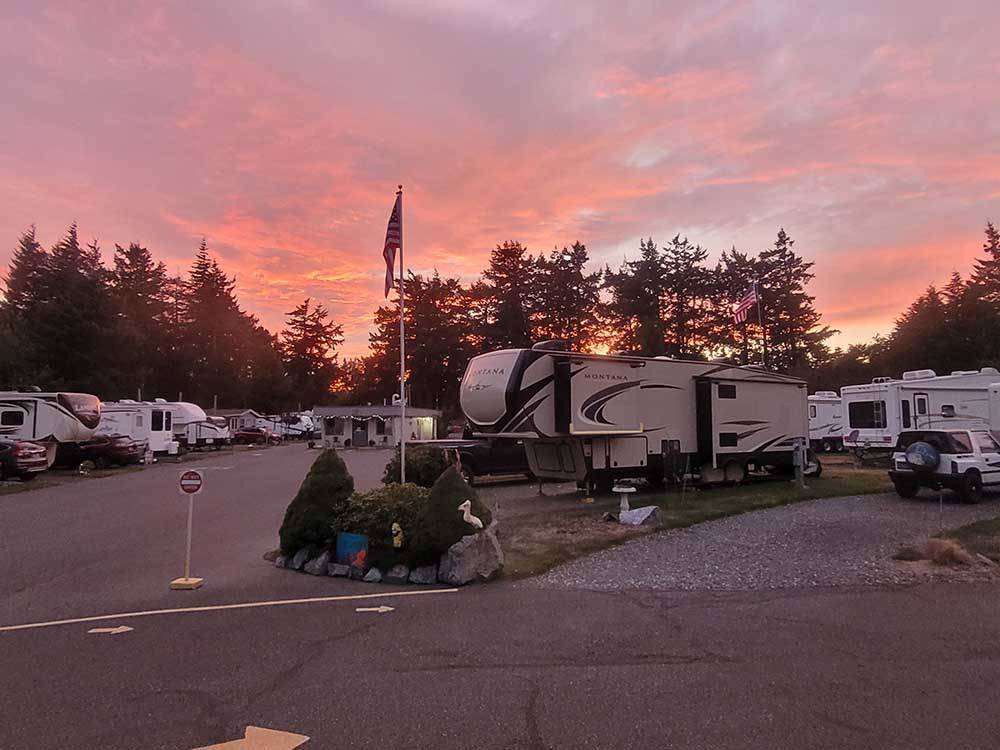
<point>49,418</point>
<point>826,422</point>
<point>879,411</point>
<point>194,429</point>
<point>596,418</point>
<point>21,459</point>
<point>151,421</point>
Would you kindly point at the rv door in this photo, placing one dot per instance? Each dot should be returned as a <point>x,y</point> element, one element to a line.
<point>922,417</point>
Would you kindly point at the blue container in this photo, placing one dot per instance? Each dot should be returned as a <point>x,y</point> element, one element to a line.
<point>352,549</point>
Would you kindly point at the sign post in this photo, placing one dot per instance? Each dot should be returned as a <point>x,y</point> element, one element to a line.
<point>190,483</point>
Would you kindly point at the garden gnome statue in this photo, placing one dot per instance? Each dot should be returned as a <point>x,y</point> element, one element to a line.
<point>397,535</point>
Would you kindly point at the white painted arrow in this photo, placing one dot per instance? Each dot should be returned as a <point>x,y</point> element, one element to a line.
<point>256,738</point>
<point>111,631</point>
<point>381,610</point>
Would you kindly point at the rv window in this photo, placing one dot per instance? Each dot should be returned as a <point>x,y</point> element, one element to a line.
<point>922,405</point>
<point>866,415</point>
<point>138,420</point>
<point>904,409</point>
<point>157,425</point>
<point>728,439</point>
<point>167,420</point>
<point>12,418</point>
<point>727,390</point>
<point>947,410</point>
<point>812,412</point>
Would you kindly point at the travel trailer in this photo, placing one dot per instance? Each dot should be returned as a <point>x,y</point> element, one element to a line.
<point>596,418</point>
<point>878,411</point>
<point>151,421</point>
<point>194,429</point>
<point>49,418</point>
<point>288,426</point>
<point>995,409</point>
<point>826,422</point>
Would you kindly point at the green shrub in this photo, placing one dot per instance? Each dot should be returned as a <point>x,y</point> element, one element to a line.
<point>440,523</point>
<point>319,507</point>
<point>373,512</point>
<point>424,464</point>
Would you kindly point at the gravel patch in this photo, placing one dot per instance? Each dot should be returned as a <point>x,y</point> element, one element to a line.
<point>845,541</point>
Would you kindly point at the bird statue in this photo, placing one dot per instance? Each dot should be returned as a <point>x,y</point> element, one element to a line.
<point>397,535</point>
<point>467,516</point>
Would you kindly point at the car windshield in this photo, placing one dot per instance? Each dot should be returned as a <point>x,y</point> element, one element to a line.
<point>945,442</point>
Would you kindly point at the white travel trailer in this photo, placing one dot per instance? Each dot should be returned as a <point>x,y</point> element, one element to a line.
<point>195,429</point>
<point>878,411</point>
<point>49,418</point>
<point>141,420</point>
<point>596,418</point>
<point>826,421</point>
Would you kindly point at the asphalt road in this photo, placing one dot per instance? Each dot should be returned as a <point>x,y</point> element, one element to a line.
<point>493,666</point>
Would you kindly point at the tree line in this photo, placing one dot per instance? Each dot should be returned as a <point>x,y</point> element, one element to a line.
<point>67,322</point>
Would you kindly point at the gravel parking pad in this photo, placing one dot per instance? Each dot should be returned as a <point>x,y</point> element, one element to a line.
<point>845,541</point>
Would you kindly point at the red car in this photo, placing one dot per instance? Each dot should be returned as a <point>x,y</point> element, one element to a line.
<point>103,451</point>
<point>255,436</point>
<point>22,459</point>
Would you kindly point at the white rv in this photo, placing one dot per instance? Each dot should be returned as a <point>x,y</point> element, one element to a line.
<point>49,418</point>
<point>921,400</point>
<point>194,429</point>
<point>596,418</point>
<point>141,420</point>
<point>826,421</point>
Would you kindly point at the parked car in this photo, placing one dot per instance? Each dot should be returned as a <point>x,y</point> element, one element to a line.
<point>255,436</point>
<point>960,460</point>
<point>103,451</point>
<point>482,456</point>
<point>21,459</point>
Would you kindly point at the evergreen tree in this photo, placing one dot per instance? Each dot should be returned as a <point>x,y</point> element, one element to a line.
<point>685,307</point>
<point>732,278</point>
<point>634,314</point>
<point>27,266</point>
<point>986,273</point>
<point>504,299</point>
<point>309,351</point>
<point>568,298</point>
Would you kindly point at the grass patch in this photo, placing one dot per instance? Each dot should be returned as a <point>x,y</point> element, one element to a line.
<point>536,542</point>
<point>982,537</point>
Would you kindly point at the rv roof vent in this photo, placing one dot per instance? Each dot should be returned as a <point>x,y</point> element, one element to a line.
<point>826,394</point>
<point>32,389</point>
<point>990,371</point>
<point>127,401</point>
<point>555,345</point>
<point>663,356</point>
<point>882,379</point>
<point>964,372</point>
<point>160,400</point>
<point>919,374</point>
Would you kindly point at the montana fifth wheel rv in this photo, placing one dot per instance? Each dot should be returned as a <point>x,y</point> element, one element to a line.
<point>49,418</point>
<point>594,418</point>
<point>195,429</point>
<point>826,421</point>
<point>922,400</point>
<point>141,420</point>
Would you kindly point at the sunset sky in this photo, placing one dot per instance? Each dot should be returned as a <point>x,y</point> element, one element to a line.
<point>279,130</point>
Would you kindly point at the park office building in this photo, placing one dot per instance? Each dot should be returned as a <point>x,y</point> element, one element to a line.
<point>373,426</point>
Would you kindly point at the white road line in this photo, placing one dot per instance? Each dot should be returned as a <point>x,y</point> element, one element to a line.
<point>218,607</point>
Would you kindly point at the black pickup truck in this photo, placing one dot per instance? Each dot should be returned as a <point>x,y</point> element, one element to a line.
<point>485,456</point>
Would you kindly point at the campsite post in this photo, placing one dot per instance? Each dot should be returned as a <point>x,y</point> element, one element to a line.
<point>190,484</point>
<point>402,351</point>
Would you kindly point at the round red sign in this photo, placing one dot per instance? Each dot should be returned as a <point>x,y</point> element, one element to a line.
<point>190,482</point>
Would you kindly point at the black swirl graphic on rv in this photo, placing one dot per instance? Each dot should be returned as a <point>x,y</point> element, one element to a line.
<point>523,408</point>
<point>593,407</point>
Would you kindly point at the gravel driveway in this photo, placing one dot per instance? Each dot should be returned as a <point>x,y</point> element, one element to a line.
<point>845,541</point>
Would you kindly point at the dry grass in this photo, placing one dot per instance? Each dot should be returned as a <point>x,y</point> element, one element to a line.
<point>947,552</point>
<point>981,537</point>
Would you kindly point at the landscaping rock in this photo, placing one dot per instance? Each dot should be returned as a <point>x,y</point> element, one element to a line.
<point>356,574</point>
<point>397,574</point>
<point>281,561</point>
<point>477,557</point>
<point>300,559</point>
<point>644,516</point>
<point>336,569</point>
<point>424,574</point>
<point>318,565</point>
<point>373,576</point>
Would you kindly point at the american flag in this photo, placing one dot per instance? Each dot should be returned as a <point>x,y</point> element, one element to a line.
<point>742,308</point>
<point>393,241</point>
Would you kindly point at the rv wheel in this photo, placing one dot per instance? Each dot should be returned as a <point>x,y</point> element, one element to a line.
<point>827,447</point>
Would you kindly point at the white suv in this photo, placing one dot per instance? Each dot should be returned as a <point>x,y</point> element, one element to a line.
<point>961,460</point>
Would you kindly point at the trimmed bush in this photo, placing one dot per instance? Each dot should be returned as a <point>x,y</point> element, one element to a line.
<point>440,524</point>
<point>373,512</point>
<point>424,465</point>
<point>319,507</point>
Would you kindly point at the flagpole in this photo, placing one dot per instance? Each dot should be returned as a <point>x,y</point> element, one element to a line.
<point>760,322</point>
<point>402,349</point>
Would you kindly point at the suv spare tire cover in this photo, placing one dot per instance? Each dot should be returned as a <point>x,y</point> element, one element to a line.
<point>923,456</point>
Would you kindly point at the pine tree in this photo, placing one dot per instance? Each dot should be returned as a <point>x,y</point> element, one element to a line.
<point>308,347</point>
<point>685,307</point>
<point>27,265</point>
<point>986,273</point>
<point>504,299</point>
<point>634,314</point>
<point>568,298</point>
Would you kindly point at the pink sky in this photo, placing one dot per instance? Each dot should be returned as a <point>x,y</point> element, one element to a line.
<point>279,130</point>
